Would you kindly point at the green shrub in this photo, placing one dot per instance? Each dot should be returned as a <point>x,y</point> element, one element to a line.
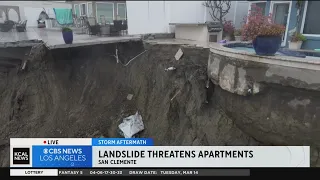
<point>298,37</point>
<point>237,32</point>
<point>66,29</point>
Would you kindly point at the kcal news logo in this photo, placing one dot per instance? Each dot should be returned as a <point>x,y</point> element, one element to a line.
<point>62,154</point>
<point>21,155</point>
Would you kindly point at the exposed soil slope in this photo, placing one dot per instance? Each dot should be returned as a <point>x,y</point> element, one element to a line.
<point>82,92</point>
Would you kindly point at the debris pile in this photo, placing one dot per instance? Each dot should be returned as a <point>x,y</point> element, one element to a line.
<point>131,125</point>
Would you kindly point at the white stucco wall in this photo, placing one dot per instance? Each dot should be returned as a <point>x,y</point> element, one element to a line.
<point>30,10</point>
<point>155,16</point>
<point>196,33</point>
<point>32,14</point>
<point>186,11</point>
<point>147,17</point>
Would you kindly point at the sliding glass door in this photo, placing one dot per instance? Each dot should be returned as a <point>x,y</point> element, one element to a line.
<point>121,11</point>
<point>89,10</point>
<point>280,14</point>
<point>106,10</point>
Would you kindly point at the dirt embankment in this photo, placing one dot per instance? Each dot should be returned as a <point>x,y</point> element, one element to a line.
<point>82,92</point>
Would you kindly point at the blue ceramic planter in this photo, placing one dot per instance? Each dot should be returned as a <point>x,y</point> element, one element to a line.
<point>68,37</point>
<point>267,45</point>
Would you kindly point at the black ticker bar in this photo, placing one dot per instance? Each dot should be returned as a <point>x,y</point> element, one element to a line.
<point>255,172</point>
<point>153,172</point>
<point>288,172</point>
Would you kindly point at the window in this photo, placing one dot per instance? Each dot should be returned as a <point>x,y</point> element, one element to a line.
<point>121,11</point>
<point>105,10</point>
<point>83,9</point>
<point>1,13</point>
<point>77,10</point>
<point>261,5</point>
<point>310,22</point>
<point>280,13</point>
<point>90,10</point>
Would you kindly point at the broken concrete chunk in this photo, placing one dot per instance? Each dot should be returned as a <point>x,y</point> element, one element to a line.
<point>242,84</point>
<point>256,88</point>
<point>178,54</point>
<point>129,97</point>
<point>24,65</point>
<point>131,125</point>
<point>227,77</point>
<point>214,68</point>
<point>170,69</point>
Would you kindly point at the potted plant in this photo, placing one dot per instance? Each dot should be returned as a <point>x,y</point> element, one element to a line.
<point>228,30</point>
<point>266,35</point>
<point>296,41</point>
<point>237,35</point>
<point>67,35</point>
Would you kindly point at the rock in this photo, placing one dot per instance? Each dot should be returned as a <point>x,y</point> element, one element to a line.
<point>178,54</point>
<point>129,97</point>
<point>257,87</point>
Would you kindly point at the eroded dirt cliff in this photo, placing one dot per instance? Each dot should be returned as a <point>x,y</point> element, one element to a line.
<point>82,92</point>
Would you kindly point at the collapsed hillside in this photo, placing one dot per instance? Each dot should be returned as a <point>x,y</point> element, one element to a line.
<point>82,92</point>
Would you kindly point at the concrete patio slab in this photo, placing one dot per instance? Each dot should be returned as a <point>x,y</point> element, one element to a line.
<point>53,38</point>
